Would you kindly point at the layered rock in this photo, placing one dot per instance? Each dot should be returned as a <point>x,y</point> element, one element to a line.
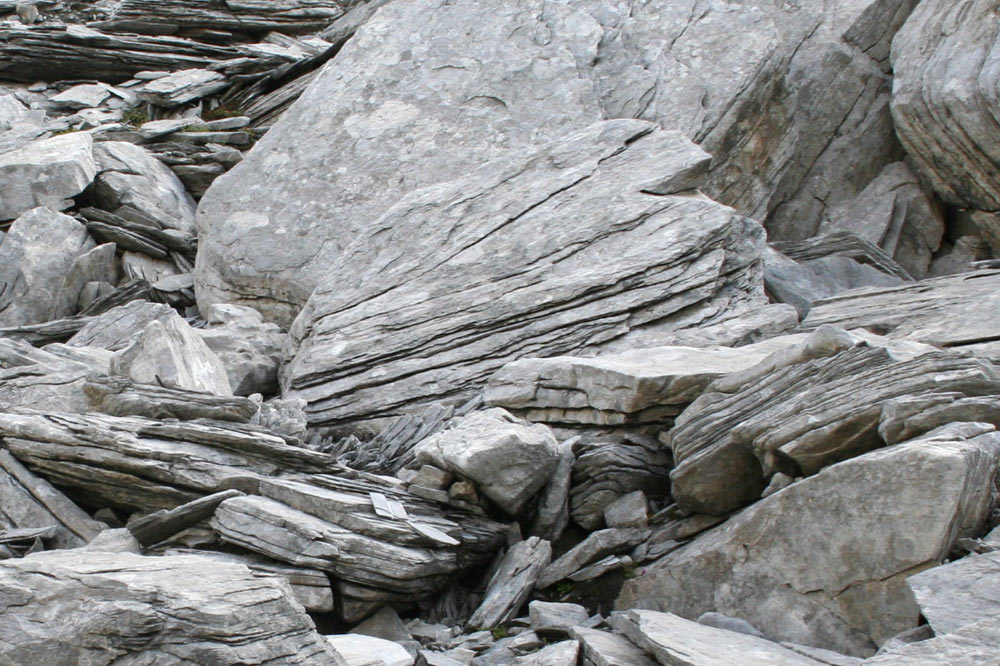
<point>46,172</point>
<point>546,221</point>
<point>959,593</point>
<point>832,573</point>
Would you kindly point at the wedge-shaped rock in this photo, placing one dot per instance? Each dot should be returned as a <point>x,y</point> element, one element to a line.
<point>648,385</point>
<point>358,650</point>
<point>121,608</point>
<point>944,99</point>
<point>249,348</point>
<point>512,583</point>
<point>118,396</point>
<point>603,648</point>
<point>508,459</point>
<point>679,642</point>
<point>824,561</point>
<point>36,254</point>
<point>182,87</point>
<point>959,593</point>
<point>170,353</point>
<point>801,410</point>
<point>972,645</point>
<point>115,328</point>
<point>46,172</point>
<point>437,329</point>
<point>958,311</point>
<point>597,545</point>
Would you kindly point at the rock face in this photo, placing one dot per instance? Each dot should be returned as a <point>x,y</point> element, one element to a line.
<point>545,221</point>
<point>249,348</point>
<point>124,608</point>
<point>960,593</point>
<point>972,645</point>
<point>944,99</point>
<point>832,574</point>
<point>46,173</point>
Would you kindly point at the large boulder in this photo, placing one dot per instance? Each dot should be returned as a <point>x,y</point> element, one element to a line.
<point>46,172</point>
<point>116,608</point>
<point>824,562</point>
<point>553,251</point>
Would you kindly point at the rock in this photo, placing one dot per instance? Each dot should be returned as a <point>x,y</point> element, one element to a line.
<point>37,253</point>
<point>503,295</point>
<point>359,650</point>
<point>972,645</point>
<point>911,416</point>
<point>594,547</point>
<point>898,214</point>
<point>508,459</point>
<point>602,648</point>
<point>748,425</point>
<point>153,528</point>
<point>675,640</point>
<point>953,311</point>
<point>960,256</point>
<point>46,172</point>
<point>115,541</point>
<point>843,244</point>
<point>646,385</point>
<point>829,573</point>
<point>959,593</point>
<point>83,96</point>
<point>385,623</point>
<point>182,87</point>
<point>720,621</point>
<point>95,265</point>
<point>611,468</point>
<point>631,510</point>
<point>118,396</point>
<point>828,657</point>
<point>11,111</point>
<point>27,501</point>
<point>552,514</point>
<point>512,583</point>
<point>564,653</point>
<point>119,606</point>
<point>114,329</point>
<point>249,349</point>
<point>551,619</point>
<point>132,180</point>
<point>941,100</point>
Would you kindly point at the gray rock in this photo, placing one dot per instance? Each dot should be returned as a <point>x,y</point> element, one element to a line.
<point>182,87</point>
<point>358,650</point>
<point>132,180</point>
<point>512,583</point>
<point>720,621</point>
<point>118,606</point>
<point>563,653</point>
<point>37,253</point>
<point>170,353</point>
<point>679,642</point>
<point>594,547</point>
<point>46,172</point>
<point>384,624</point>
<point>153,528</point>
<point>631,510</point>
<point>911,416</point>
<point>249,349</point>
<point>508,459</point>
<point>602,648</point>
<point>551,619</point>
<point>749,424</point>
<point>83,96</point>
<point>958,593</point>
<point>552,514</point>
<point>11,111</point>
<point>828,657</point>
<point>944,70</point>
<point>114,329</point>
<point>831,573</point>
<point>637,386</point>
<point>96,265</point>
<point>972,645</point>
<point>960,256</point>
<point>512,304</point>
<point>115,541</point>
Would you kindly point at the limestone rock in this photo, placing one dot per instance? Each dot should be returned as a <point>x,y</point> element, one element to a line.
<point>83,96</point>
<point>436,331</point>
<point>512,583</point>
<point>594,547</point>
<point>972,645</point>
<point>95,265</point>
<point>116,607</point>
<point>508,459</point>
<point>46,172</point>
<point>944,99</point>
<point>170,353</point>
<point>131,179</point>
<point>555,619</point>
<point>831,573</point>
<point>35,257</point>
<point>959,593</point>
<point>563,653</point>
<point>249,348</point>
<point>113,329</point>
<point>603,648</point>
<point>182,87</point>
<point>358,650</point>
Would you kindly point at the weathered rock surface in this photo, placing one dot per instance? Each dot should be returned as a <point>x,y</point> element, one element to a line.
<point>358,650</point>
<point>603,648</point>
<point>115,328</point>
<point>439,332</point>
<point>513,581</point>
<point>972,645</point>
<point>596,546</point>
<point>46,172</point>
<point>119,607</point>
<point>959,593</point>
<point>832,574</point>
<point>507,458</point>
<point>35,256</point>
<point>801,410</point>
<point>182,87</point>
<point>249,348</point>
<point>944,99</point>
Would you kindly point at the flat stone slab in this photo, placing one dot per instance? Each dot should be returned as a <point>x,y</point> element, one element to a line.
<point>959,593</point>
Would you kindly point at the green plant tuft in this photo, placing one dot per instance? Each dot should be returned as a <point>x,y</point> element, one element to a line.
<point>134,116</point>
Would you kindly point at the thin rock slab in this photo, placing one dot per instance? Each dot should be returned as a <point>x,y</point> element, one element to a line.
<point>563,653</point>
<point>120,607</point>
<point>603,648</point>
<point>972,645</point>
<point>182,87</point>
<point>679,642</point>
<point>594,547</point>
<point>47,172</point>
<point>248,347</point>
<point>117,396</point>
<point>553,619</point>
<point>831,573</point>
<point>958,593</point>
<point>115,328</point>
<point>358,650</point>
<point>512,583</point>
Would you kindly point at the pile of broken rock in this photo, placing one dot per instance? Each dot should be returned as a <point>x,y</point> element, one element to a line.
<point>414,332</point>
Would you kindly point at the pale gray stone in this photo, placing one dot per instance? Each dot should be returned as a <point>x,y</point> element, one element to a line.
<point>552,515</point>
<point>157,128</point>
<point>83,96</point>
<point>11,111</point>
<point>96,265</point>
<point>831,573</point>
<point>385,623</point>
<point>972,645</point>
<point>114,329</point>
<point>603,648</point>
<point>118,540</point>
<point>512,583</point>
<point>720,621</point>
<point>594,547</point>
<point>828,657</point>
<point>116,607</point>
<point>631,510</point>
<point>169,353</point>
<point>509,459</point>
<point>679,642</point>
<point>359,650</point>
<point>249,348</point>
<point>131,179</point>
<point>553,619</point>
<point>37,253</point>
<point>958,593</point>
<point>563,653</point>
<point>46,172</point>
<point>182,87</point>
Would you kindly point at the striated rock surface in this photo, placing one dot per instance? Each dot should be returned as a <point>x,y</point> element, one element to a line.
<point>46,172</point>
<point>249,348</point>
<point>958,593</point>
<point>972,645</point>
<point>832,573</point>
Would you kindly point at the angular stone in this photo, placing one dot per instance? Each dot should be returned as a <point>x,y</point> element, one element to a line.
<point>182,87</point>
<point>83,96</point>
<point>46,172</point>
<point>552,619</point>
<point>358,650</point>
<point>508,459</point>
<point>170,353</point>
<point>679,642</point>
<point>512,583</point>
<point>249,348</point>
<point>552,514</point>
<point>96,265</point>
<point>603,648</point>
<point>563,653</point>
<point>972,645</point>
<point>594,547</point>
<point>116,607</point>
<point>113,329</point>
<point>37,253</point>
<point>958,593</point>
<point>631,510</point>
<point>831,573</point>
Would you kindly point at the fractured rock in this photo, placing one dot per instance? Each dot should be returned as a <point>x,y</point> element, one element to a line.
<point>603,648</point>
<point>358,650</point>
<point>958,593</point>
<point>249,348</point>
<point>596,546</point>
<point>46,172</point>
<point>512,583</point>
<point>972,645</point>
<point>113,329</point>
<point>182,87</point>
<point>550,619</point>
